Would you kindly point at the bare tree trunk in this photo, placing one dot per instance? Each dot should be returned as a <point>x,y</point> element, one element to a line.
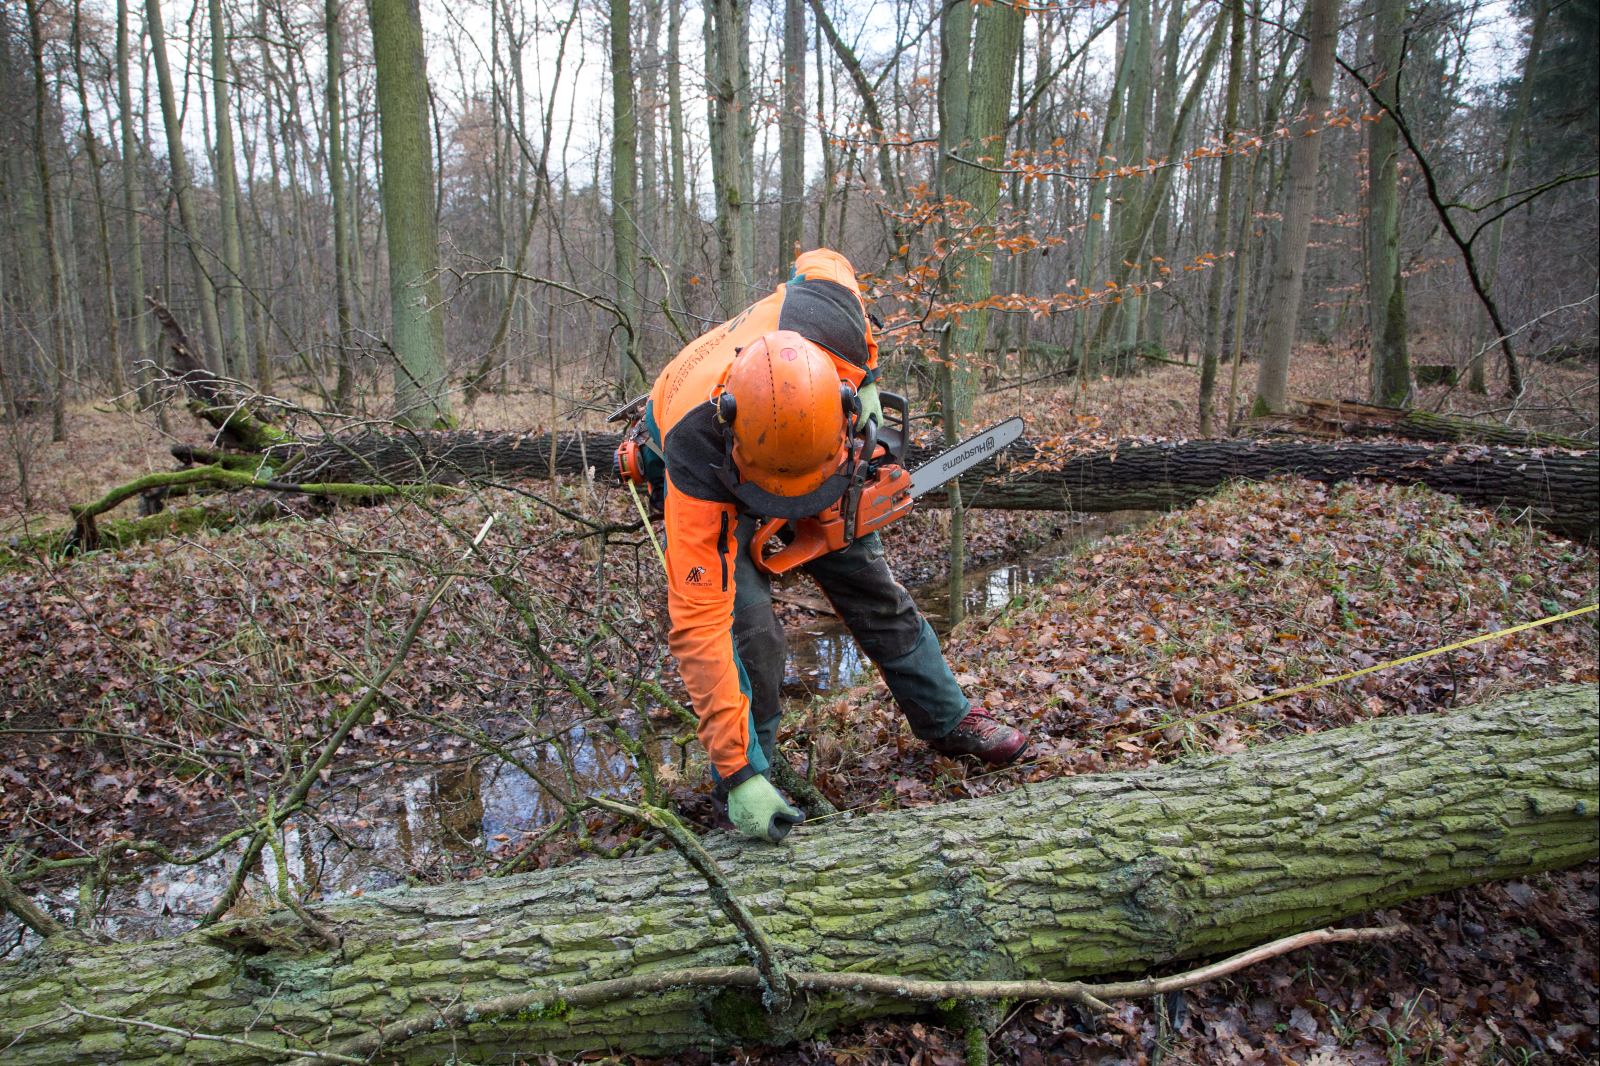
<point>1224,199</point>
<point>409,210</point>
<point>1122,309</point>
<point>722,55</point>
<point>237,353</point>
<point>1063,879</point>
<point>115,380</point>
<point>792,137</point>
<point>825,180</point>
<point>336,191</point>
<point>680,204</point>
<point>745,124</point>
<point>1138,215</point>
<point>624,192</point>
<point>893,187</point>
<point>56,298</point>
<point>1288,269</point>
<point>996,37</point>
<point>1390,369</point>
<point>1019,193</point>
<point>132,201</point>
<point>1095,210</point>
<point>1154,300</point>
<point>648,212</point>
<point>182,192</point>
<point>1508,160</point>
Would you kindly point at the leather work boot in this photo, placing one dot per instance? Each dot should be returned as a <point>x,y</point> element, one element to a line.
<point>981,734</point>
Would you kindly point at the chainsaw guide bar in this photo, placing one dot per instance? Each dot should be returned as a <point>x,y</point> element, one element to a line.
<point>964,456</point>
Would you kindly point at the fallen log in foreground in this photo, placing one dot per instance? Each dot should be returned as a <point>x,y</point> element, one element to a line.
<point>1554,488</point>
<point>1070,877</point>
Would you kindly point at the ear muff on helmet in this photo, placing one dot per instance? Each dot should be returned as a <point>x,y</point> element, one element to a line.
<point>727,408</point>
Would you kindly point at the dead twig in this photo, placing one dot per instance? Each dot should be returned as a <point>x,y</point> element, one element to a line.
<point>1090,996</point>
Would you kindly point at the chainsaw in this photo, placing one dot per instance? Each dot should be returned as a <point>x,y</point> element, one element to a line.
<point>628,462</point>
<point>880,490</point>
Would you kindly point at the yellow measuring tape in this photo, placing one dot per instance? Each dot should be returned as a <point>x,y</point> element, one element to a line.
<point>1367,670</point>
<point>645,516</point>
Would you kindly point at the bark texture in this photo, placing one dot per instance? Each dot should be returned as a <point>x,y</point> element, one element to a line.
<point>1224,202</point>
<point>178,163</point>
<point>1083,875</point>
<point>1556,488</point>
<point>624,189</point>
<point>1391,372</point>
<point>416,301</point>
<point>1305,154</point>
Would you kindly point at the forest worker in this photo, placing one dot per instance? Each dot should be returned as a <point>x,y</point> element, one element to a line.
<point>776,451</point>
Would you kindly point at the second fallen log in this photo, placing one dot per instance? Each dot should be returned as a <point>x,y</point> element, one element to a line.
<point>1553,487</point>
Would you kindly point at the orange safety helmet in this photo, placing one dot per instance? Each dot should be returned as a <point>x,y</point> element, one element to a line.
<point>785,411</point>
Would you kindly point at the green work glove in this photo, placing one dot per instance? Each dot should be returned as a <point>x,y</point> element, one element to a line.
<point>871,405</point>
<point>759,811</point>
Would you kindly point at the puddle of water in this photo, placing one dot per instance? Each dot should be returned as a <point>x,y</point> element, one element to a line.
<point>381,834</point>
<point>823,657</point>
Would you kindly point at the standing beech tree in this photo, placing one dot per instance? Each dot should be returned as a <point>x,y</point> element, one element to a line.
<point>624,187</point>
<point>792,136</point>
<point>977,58</point>
<point>1288,270</point>
<point>1391,373</point>
<point>416,301</point>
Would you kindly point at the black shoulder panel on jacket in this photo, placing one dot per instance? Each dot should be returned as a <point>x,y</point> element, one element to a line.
<point>693,451</point>
<point>826,313</point>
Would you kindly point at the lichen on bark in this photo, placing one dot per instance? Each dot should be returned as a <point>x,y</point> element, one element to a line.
<point>1061,879</point>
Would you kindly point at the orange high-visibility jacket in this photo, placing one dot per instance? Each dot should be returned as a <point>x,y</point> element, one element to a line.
<point>821,302</point>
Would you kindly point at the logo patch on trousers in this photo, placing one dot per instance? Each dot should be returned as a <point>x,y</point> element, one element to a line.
<point>697,576</point>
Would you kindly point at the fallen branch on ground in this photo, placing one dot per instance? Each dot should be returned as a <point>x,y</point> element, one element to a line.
<point>1352,419</point>
<point>1091,997</point>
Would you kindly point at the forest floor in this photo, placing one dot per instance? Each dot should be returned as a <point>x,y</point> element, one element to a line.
<point>250,639</point>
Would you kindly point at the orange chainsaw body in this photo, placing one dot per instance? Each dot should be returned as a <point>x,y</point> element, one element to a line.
<point>885,498</point>
<point>628,464</point>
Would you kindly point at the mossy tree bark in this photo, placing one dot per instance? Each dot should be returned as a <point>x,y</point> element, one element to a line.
<point>978,135</point>
<point>416,301</point>
<point>1071,877</point>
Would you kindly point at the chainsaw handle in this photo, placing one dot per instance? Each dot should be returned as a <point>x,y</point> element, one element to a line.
<point>810,542</point>
<point>895,402</point>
